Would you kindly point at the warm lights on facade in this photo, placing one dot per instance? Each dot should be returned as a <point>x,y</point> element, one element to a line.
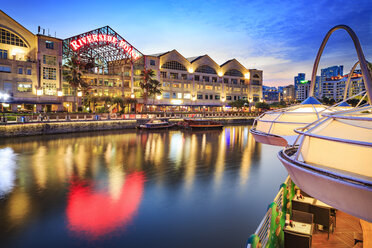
<point>246,76</point>
<point>59,93</point>
<point>132,95</point>
<point>220,74</point>
<point>80,94</point>
<point>191,70</point>
<point>158,97</point>
<point>176,101</point>
<point>39,92</point>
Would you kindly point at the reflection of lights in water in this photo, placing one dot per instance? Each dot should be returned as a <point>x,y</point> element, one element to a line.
<point>191,161</point>
<point>39,167</point>
<point>93,214</point>
<point>68,159</point>
<point>227,136</point>
<point>204,141</point>
<point>176,147</point>
<point>247,160</point>
<point>7,170</point>
<point>19,205</point>
<point>220,161</point>
<point>81,160</point>
<point>116,176</point>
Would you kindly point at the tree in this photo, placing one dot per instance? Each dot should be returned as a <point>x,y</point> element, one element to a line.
<point>73,71</point>
<point>239,103</point>
<point>119,101</point>
<point>106,100</point>
<point>146,84</point>
<point>262,105</point>
<point>155,89</point>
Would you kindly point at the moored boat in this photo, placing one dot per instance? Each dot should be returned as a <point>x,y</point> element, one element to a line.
<point>200,124</point>
<point>156,124</point>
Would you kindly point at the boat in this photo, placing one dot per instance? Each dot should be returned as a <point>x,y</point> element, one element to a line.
<point>200,124</point>
<point>156,124</point>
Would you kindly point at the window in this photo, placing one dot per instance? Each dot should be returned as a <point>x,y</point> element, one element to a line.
<point>49,44</point>
<point>174,95</point>
<point>234,98</point>
<point>197,78</point>
<point>184,76</point>
<point>209,87</point>
<point>228,98</point>
<point>255,82</point>
<point>187,96</point>
<point>206,97</point>
<point>49,60</point>
<point>205,78</point>
<point>8,87</point>
<point>3,54</point>
<point>234,72</point>
<point>200,97</point>
<point>214,79</point>
<point>9,38</point>
<point>50,88</point>
<point>206,69</point>
<point>242,81</point>
<point>28,71</point>
<point>174,65</point>
<point>256,76</point>
<point>106,83</point>
<point>100,82</point>
<point>49,73</point>
<point>211,97</point>
<point>173,75</point>
<point>24,87</point>
<point>175,85</point>
<point>152,62</point>
<point>226,80</point>
<point>179,95</point>
<point>166,95</point>
<point>20,70</point>
<point>163,74</point>
<point>217,97</point>
<point>234,81</point>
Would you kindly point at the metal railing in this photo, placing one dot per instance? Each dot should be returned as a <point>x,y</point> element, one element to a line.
<point>263,229</point>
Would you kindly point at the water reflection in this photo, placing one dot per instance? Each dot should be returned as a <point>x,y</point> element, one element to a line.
<point>93,185</point>
<point>93,213</point>
<point>7,170</point>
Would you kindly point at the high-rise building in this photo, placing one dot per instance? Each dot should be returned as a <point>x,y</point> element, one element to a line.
<point>327,73</point>
<point>288,93</point>
<point>297,79</point>
<point>303,90</point>
<point>270,94</point>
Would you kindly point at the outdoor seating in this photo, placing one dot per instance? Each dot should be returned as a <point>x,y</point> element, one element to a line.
<point>296,240</point>
<point>302,217</point>
<point>322,216</point>
<point>300,206</point>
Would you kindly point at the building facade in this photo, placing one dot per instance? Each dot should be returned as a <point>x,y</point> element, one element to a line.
<point>289,93</point>
<point>334,87</point>
<point>297,79</point>
<point>303,90</point>
<point>271,94</point>
<point>30,67</point>
<point>31,72</point>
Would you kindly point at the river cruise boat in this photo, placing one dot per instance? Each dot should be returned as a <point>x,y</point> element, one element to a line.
<point>200,124</point>
<point>156,124</point>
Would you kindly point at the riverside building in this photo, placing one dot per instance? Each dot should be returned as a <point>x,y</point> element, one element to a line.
<point>31,73</point>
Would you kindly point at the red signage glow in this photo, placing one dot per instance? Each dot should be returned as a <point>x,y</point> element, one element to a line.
<point>104,38</point>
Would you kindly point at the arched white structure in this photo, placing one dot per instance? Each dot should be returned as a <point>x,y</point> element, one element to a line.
<point>332,157</point>
<point>333,161</point>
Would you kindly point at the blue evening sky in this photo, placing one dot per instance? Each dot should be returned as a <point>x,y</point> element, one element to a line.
<point>279,37</point>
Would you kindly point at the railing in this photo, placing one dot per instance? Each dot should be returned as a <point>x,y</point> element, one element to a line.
<point>263,229</point>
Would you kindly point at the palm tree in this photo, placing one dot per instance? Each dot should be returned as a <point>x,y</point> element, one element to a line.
<point>73,71</point>
<point>146,84</point>
<point>119,103</point>
<point>155,89</point>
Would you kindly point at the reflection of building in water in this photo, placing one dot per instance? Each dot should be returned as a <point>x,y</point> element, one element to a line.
<point>191,157</point>
<point>248,152</point>
<point>7,170</point>
<point>92,214</point>
<point>18,207</point>
<point>220,161</point>
<point>40,167</point>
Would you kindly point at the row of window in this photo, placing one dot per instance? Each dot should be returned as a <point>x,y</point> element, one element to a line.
<point>206,78</point>
<point>174,95</point>
<point>3,54</point>
<point>21,70</point>
<point>106,82</point>
<point>21,87</point>
<point>49,73</point>
<point>9,38</point>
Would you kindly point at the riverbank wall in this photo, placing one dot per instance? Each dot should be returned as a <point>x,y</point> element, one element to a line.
<point>43,128</point>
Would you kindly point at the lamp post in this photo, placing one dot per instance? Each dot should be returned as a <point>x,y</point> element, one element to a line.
<point>3,98</point>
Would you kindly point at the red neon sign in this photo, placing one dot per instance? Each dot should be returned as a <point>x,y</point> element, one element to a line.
<point>96,38</point>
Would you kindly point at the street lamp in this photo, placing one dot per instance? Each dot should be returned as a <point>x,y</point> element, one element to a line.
<point>3,98</point>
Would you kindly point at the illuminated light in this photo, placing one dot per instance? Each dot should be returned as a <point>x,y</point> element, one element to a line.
<point>80,94</point>
<point>176,101</point>
<point>193,98</point>
<point>6,105</point>
<point>191,70</point>
<point>19,106</point>
<point>132,95</point>
<point>86,40</point>
<point>16,51</point>
<point>304,81</point>
<point>39,92</point>
<point>158,97</point>
<point>4,96</point>
<point>59,93</point>
<point>220,74</point>
<point>223,99</point>
<point>109,213</point>
<point>246,76</point>
<point>68,105</point>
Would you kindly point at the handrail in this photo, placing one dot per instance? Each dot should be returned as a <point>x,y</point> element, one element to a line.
<point>263,228</point>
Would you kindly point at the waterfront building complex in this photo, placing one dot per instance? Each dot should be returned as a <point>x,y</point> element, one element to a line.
<point>31,72</point>
<point>334,87</point>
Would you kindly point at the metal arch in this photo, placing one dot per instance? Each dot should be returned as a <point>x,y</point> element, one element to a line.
<point>347,85</point>
<point>363,63</point>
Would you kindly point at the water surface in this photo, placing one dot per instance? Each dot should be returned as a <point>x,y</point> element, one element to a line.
<point>135,189</point>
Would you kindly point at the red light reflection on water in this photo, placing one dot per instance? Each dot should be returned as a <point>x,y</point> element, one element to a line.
<point>94,214</point>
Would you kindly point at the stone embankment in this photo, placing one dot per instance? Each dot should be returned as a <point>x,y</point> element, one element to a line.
<point>57,127</point>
